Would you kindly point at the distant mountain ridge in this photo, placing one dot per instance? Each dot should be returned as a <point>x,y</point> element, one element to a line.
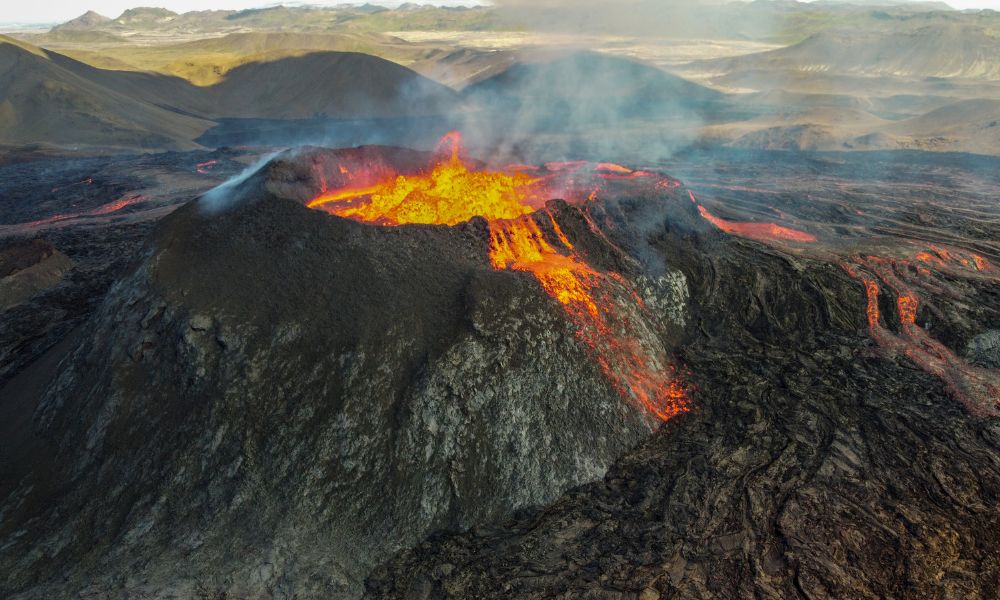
<point>344,17</point>
<point>88,20</point>
<point>785,21</point>
<point>912,4</point>
<point>950,50</point>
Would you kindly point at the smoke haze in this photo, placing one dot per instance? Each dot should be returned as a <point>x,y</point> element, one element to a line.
<point>652,18</point>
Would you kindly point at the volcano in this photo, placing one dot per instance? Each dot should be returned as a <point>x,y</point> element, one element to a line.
<point>297,349</point>
<point>397,373</point>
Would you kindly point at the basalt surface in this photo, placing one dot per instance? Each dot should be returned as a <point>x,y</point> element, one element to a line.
<point>277,402</point>
<point>836,450</point>
<point>813,468</point>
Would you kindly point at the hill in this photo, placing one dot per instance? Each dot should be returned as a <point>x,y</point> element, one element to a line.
<point>145,17</point>
<point>464,67</point>
<point>589,88</point>
<point>949,50</point>
<point>88,20</point>
<point>969,126</point>
<point>207,61</point>
<point>49,98</point>
<point>333,84</point>
<point>43,101</point>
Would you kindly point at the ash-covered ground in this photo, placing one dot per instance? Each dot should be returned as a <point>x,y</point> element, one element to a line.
<point>276,402</point>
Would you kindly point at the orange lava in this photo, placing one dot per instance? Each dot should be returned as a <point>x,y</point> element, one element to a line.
<point>907,306</point>
<point>115,206</point>
<point>102,210</point>
<point>872,292</point>
<point>512,202</point>
<point>757,231</point>
<point>205,167</point>
<point>976,387</point>
<point>613,168</point>
<point>449,195</point>
<point>957,262</point>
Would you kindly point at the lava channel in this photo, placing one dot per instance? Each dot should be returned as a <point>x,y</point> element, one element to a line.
<point>513,202</point>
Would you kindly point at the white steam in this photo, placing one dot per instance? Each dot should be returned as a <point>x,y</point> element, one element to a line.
<point>224,195</point>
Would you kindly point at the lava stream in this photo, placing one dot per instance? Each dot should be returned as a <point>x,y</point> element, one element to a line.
<point>102,210</point>
<point>512,201</point>
<point>757,231</point>
<point>977,388</point>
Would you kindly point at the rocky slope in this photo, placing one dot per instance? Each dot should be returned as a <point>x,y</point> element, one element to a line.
<point>274,400</point>
<point>45,101</point>
<point>28,268</point>
<point>815,467</point>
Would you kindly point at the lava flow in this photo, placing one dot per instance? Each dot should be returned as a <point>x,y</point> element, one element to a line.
<point>513,201</point>
<point>100,211</point>
<point>977,388</point>
<point>757,231</point>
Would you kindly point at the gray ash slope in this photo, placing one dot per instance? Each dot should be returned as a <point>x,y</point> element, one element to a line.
<point>274,400</point>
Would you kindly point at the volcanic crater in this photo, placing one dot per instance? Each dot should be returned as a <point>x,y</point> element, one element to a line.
<point>265,364</point>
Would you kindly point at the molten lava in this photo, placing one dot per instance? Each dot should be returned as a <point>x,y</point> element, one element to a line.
<point>204,167</point>
<point>102,210</point>
<point>977,388</point>
<point>757,231</point>
<point>449,195</point>
<point>513,202</point>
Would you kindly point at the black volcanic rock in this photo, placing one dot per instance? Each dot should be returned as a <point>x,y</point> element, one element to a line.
<point>984,349</point>
<point>813,467</point>
<point>274,400</point>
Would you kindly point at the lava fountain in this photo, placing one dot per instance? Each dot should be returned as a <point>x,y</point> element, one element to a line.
<point>513,202</point>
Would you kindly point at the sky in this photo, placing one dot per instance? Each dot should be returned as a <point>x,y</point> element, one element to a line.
<point>57,11</point>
